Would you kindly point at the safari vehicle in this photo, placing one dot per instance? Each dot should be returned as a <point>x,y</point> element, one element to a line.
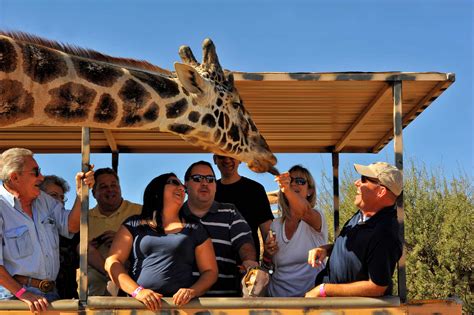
<point>297,113</point>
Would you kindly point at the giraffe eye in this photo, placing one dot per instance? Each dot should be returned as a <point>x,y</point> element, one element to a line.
<point>236,105</point>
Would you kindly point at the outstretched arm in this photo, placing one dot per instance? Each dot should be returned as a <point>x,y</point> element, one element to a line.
<point>359,288</point>
<point>75,215</point>
<point>114,265</point>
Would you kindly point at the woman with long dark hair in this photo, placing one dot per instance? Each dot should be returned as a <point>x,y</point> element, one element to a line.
<point>162,247</point>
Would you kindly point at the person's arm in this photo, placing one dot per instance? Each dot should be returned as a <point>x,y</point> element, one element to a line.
<point>207,266</point>
<point>248,255</point>
<point>36,303</point>
<point>316,256</point>
<point>359,288</point>
<point>114,265</point>
<point>264,228</point>
<point>75,215</point>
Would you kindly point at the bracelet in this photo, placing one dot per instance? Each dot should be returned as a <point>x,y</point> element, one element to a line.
<point>137,290</point>
<point>20,292</point>
<point>322,291</point>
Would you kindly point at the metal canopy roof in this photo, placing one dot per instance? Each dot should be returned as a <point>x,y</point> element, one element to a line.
<point>295,112</point>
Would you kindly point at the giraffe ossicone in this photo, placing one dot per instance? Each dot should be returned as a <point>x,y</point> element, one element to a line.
<point>47,83</point>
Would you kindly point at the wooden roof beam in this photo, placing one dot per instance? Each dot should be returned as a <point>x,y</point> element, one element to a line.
<point>384,92</point>
<point>111,140</point>
<point>422,104</point>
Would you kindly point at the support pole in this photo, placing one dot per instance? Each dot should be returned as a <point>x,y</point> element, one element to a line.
<point>84,233</point>
<point>398,148</point>
<point>115,161</point>
<point>335,188</point>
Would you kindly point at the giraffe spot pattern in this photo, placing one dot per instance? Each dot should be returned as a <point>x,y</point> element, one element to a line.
<point>219,102</point>
<point>165,87</point>
<point>220,121</point>
<point>176,109</point>
<point>95,72</point>
<point>134,97</point>
<point>194,116</point>
<point>217,136</point>
<point>152,112</point>
<point>209,120</point>
<point>181,129</point>
<point>70,102</point>
<point>234,133</point>
<point>42,65</point>
<point>15,102</point>
<point>106,110</point>
<point>8,56</point>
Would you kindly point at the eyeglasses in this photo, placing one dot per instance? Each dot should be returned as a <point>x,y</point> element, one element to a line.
<point>298,180</point>
<point>174,182</point>
<point>365,179</point>
<point>58,197</point>
<point>198,178</point>
<point>35,171</point>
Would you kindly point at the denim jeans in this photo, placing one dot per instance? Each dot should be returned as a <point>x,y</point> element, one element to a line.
<point>50,296</point>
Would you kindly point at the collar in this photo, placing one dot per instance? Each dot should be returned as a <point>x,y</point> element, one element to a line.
<point>213,209</point>
<point>387,211</point>
<point>7,196</point>
<point>96,211</point>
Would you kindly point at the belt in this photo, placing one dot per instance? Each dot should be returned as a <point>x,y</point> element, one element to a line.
<point>44,285</point>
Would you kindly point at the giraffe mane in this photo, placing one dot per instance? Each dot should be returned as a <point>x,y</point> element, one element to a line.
<point>83,52</point>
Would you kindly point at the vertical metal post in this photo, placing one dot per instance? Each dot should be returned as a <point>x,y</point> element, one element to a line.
<point>115,161</point>
<point>398,148</point>
<point>335,188</point>
<point>84,233</point>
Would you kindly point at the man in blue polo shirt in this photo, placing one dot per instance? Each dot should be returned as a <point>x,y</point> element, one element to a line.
<point>363,257</point>
<point>230,233</point>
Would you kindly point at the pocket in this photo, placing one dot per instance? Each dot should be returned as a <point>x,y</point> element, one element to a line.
<point>18,241</point>
<point>51,231</point>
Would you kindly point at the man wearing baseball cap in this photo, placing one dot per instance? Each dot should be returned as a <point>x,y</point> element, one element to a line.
<point>363,257</point>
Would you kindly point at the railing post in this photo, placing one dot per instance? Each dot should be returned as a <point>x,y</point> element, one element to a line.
<point>84,232</point>
<point>398,148</point>
<point>335,188</point>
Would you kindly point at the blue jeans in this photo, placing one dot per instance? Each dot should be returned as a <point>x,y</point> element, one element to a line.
<point>50,296</point>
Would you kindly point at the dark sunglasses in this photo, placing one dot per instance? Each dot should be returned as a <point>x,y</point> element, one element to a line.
<point>365,179</point>
<point>197,178</point>
<point>36,171</point>
<point>174,182</point>
<point>298,180</point>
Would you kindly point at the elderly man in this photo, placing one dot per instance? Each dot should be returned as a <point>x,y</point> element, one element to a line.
<point>230,233</point>
<point>30,224</point>
<point>247,195</point>
<point>363,257</point>
<point>104,220</point>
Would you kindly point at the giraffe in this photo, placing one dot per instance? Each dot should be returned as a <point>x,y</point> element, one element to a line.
<point>43,82</point>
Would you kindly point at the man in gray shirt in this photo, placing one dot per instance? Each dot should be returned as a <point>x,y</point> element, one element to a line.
<point>30,224</point>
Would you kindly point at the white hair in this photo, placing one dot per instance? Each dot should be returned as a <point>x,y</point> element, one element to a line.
<point>12,160</point>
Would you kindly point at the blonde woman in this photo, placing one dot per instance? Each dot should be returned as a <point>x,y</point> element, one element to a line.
<point>300,228</point>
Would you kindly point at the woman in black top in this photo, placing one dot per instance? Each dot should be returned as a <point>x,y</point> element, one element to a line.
<point>162,247</point>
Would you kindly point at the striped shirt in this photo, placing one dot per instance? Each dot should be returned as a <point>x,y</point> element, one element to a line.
<point>228,231</point>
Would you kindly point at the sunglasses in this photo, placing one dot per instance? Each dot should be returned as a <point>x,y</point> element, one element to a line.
<point>365,179</point>
<point>174,182</point>
<point>197,178</point>
<point>36,171</point>
<point>298,180</point>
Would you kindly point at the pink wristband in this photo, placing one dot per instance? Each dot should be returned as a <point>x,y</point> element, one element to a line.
<point>322,292</point>
<point>137,290</point>
<point>20,292</point>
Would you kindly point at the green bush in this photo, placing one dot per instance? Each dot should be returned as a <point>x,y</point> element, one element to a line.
<point>439,215</point>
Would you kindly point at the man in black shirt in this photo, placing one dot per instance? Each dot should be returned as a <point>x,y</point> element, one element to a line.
<point>363,257</point>
<point>247,195</point>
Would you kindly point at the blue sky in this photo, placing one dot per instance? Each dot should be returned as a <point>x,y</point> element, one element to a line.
<point>293,36</point>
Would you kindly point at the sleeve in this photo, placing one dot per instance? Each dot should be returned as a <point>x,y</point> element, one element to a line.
<point>131,224</point>
<point>200,234</point>
<point>382,259</point>
<point>262,206</point>
<point>60,214</point>
<point>240,232</point>
<point>1,239</point>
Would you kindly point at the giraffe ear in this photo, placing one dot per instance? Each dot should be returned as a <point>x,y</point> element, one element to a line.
<point>190,78</point>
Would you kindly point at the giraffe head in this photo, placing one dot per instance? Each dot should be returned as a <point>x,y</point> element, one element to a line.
<point>230,129</point>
